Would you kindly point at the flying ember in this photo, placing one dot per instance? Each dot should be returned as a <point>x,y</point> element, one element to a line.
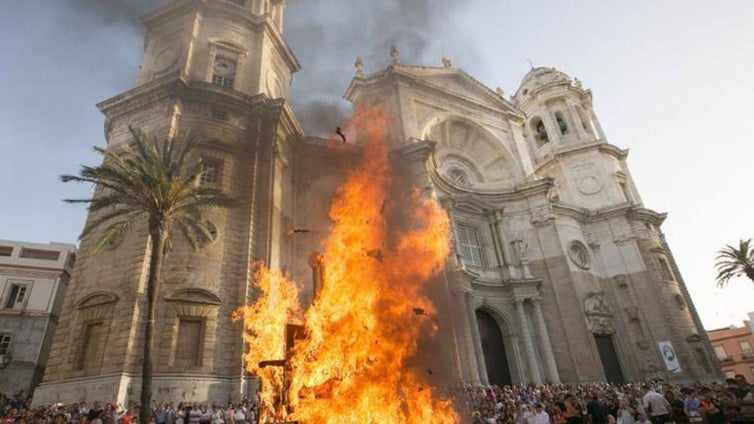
<point>351,357</point>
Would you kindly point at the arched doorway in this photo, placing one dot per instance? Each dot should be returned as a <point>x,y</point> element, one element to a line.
<point>493,348</point>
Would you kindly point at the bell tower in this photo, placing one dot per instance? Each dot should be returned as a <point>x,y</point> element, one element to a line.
<point>220,71</point>
<point>235,44</point>
<point>567,143</point>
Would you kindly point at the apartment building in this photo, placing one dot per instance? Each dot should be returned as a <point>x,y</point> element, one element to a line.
<point>33,281</point>
<point>733,348</point>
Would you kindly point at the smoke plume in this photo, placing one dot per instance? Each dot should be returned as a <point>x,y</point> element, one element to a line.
<point>326,37</point>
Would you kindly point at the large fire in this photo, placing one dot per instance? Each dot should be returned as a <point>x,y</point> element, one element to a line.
<point>357,361</point>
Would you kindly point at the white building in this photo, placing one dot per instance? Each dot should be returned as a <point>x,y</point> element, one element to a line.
<point>33,281</point>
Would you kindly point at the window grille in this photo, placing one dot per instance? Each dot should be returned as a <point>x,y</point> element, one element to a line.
<point>469,244</point>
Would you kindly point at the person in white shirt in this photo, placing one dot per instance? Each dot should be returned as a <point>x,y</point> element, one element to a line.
<point>656,405</point>
<point>539,417</point>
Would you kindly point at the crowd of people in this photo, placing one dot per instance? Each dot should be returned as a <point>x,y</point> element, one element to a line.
<point>603,403</point>
<point>17,410</point>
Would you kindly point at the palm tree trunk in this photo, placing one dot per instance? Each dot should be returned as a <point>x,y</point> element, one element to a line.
<point>157,234</point>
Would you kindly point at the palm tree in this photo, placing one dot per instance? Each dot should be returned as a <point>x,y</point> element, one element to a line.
<point>154,182</point>
<point>734,262</point>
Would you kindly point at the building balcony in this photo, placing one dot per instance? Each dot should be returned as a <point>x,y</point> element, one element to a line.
<point>724,359</point>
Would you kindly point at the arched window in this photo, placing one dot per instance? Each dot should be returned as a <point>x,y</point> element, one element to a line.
<point>539,130</point>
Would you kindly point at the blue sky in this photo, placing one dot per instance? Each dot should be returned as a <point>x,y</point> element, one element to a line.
<point>672,82</point>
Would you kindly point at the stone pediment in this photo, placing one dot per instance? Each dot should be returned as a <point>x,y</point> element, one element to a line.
<point>459,83</point>
<point>440,82</point>
<point>468,203</point>
<point>96,299</point>
<point>194,295</point>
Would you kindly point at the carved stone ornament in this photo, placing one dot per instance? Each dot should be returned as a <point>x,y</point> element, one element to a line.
<point>589,184</point>
<point>166,59</point>
<point>595,305</point>
<point>598,314</point>
<point>542,216</point>
<point>601,325</point>
<point>621,280</point>
<point>395,56</point>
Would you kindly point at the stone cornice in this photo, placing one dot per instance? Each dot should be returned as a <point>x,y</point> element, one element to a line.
<point>648,215</point>
<point>626,209</point>
<point>229,12</point>
<point>491,195</point>
<point>570,149</point>
<point>419,150</point>
<point>32,271</point>
<point>537,96</point>
<point>176,87</point>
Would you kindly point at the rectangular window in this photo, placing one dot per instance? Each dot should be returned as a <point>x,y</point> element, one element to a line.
<point>5,340</point>
<point>720,352</point>
<point>93,345</point>
<point>469,244</point>
<point>224,72</point>
<point>17,296</point>
<point>744,346</point>
<point>730,374</point>
<point>47,255</point>
<point>6,250</point>
<point>212,174</point>
<point>189,345</point>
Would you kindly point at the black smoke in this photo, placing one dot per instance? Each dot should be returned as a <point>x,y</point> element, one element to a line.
<point>326,37</point>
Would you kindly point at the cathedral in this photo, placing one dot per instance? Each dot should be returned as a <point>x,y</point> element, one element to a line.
<point>558,272</point>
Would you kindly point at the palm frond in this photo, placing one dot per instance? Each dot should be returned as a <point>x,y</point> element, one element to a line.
<point>733,262</point>
<point>149,179</point>
<point>113,232</point>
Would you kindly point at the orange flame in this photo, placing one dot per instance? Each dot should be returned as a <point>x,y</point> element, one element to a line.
<point>365,327</point>
<point>264,324</point>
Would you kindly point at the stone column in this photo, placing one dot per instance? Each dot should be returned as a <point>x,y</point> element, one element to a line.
<point>515,358</point>
<point>499,236</point>
<point>470,369</point>
<point>597,127</point>
<point>477,343</point>
<point>548,119</point>
<point>578,125</point>
<point>552,367</point>
<point>531,356</point>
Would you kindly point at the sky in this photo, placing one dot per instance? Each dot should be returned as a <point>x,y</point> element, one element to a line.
<point>671,81</point>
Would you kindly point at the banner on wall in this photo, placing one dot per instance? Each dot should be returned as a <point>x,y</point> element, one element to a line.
<point>668,354</point>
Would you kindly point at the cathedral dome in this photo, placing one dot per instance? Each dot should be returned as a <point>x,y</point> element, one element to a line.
<point>538,78</point>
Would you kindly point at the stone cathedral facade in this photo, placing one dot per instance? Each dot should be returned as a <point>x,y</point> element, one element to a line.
<point>558,274</point>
